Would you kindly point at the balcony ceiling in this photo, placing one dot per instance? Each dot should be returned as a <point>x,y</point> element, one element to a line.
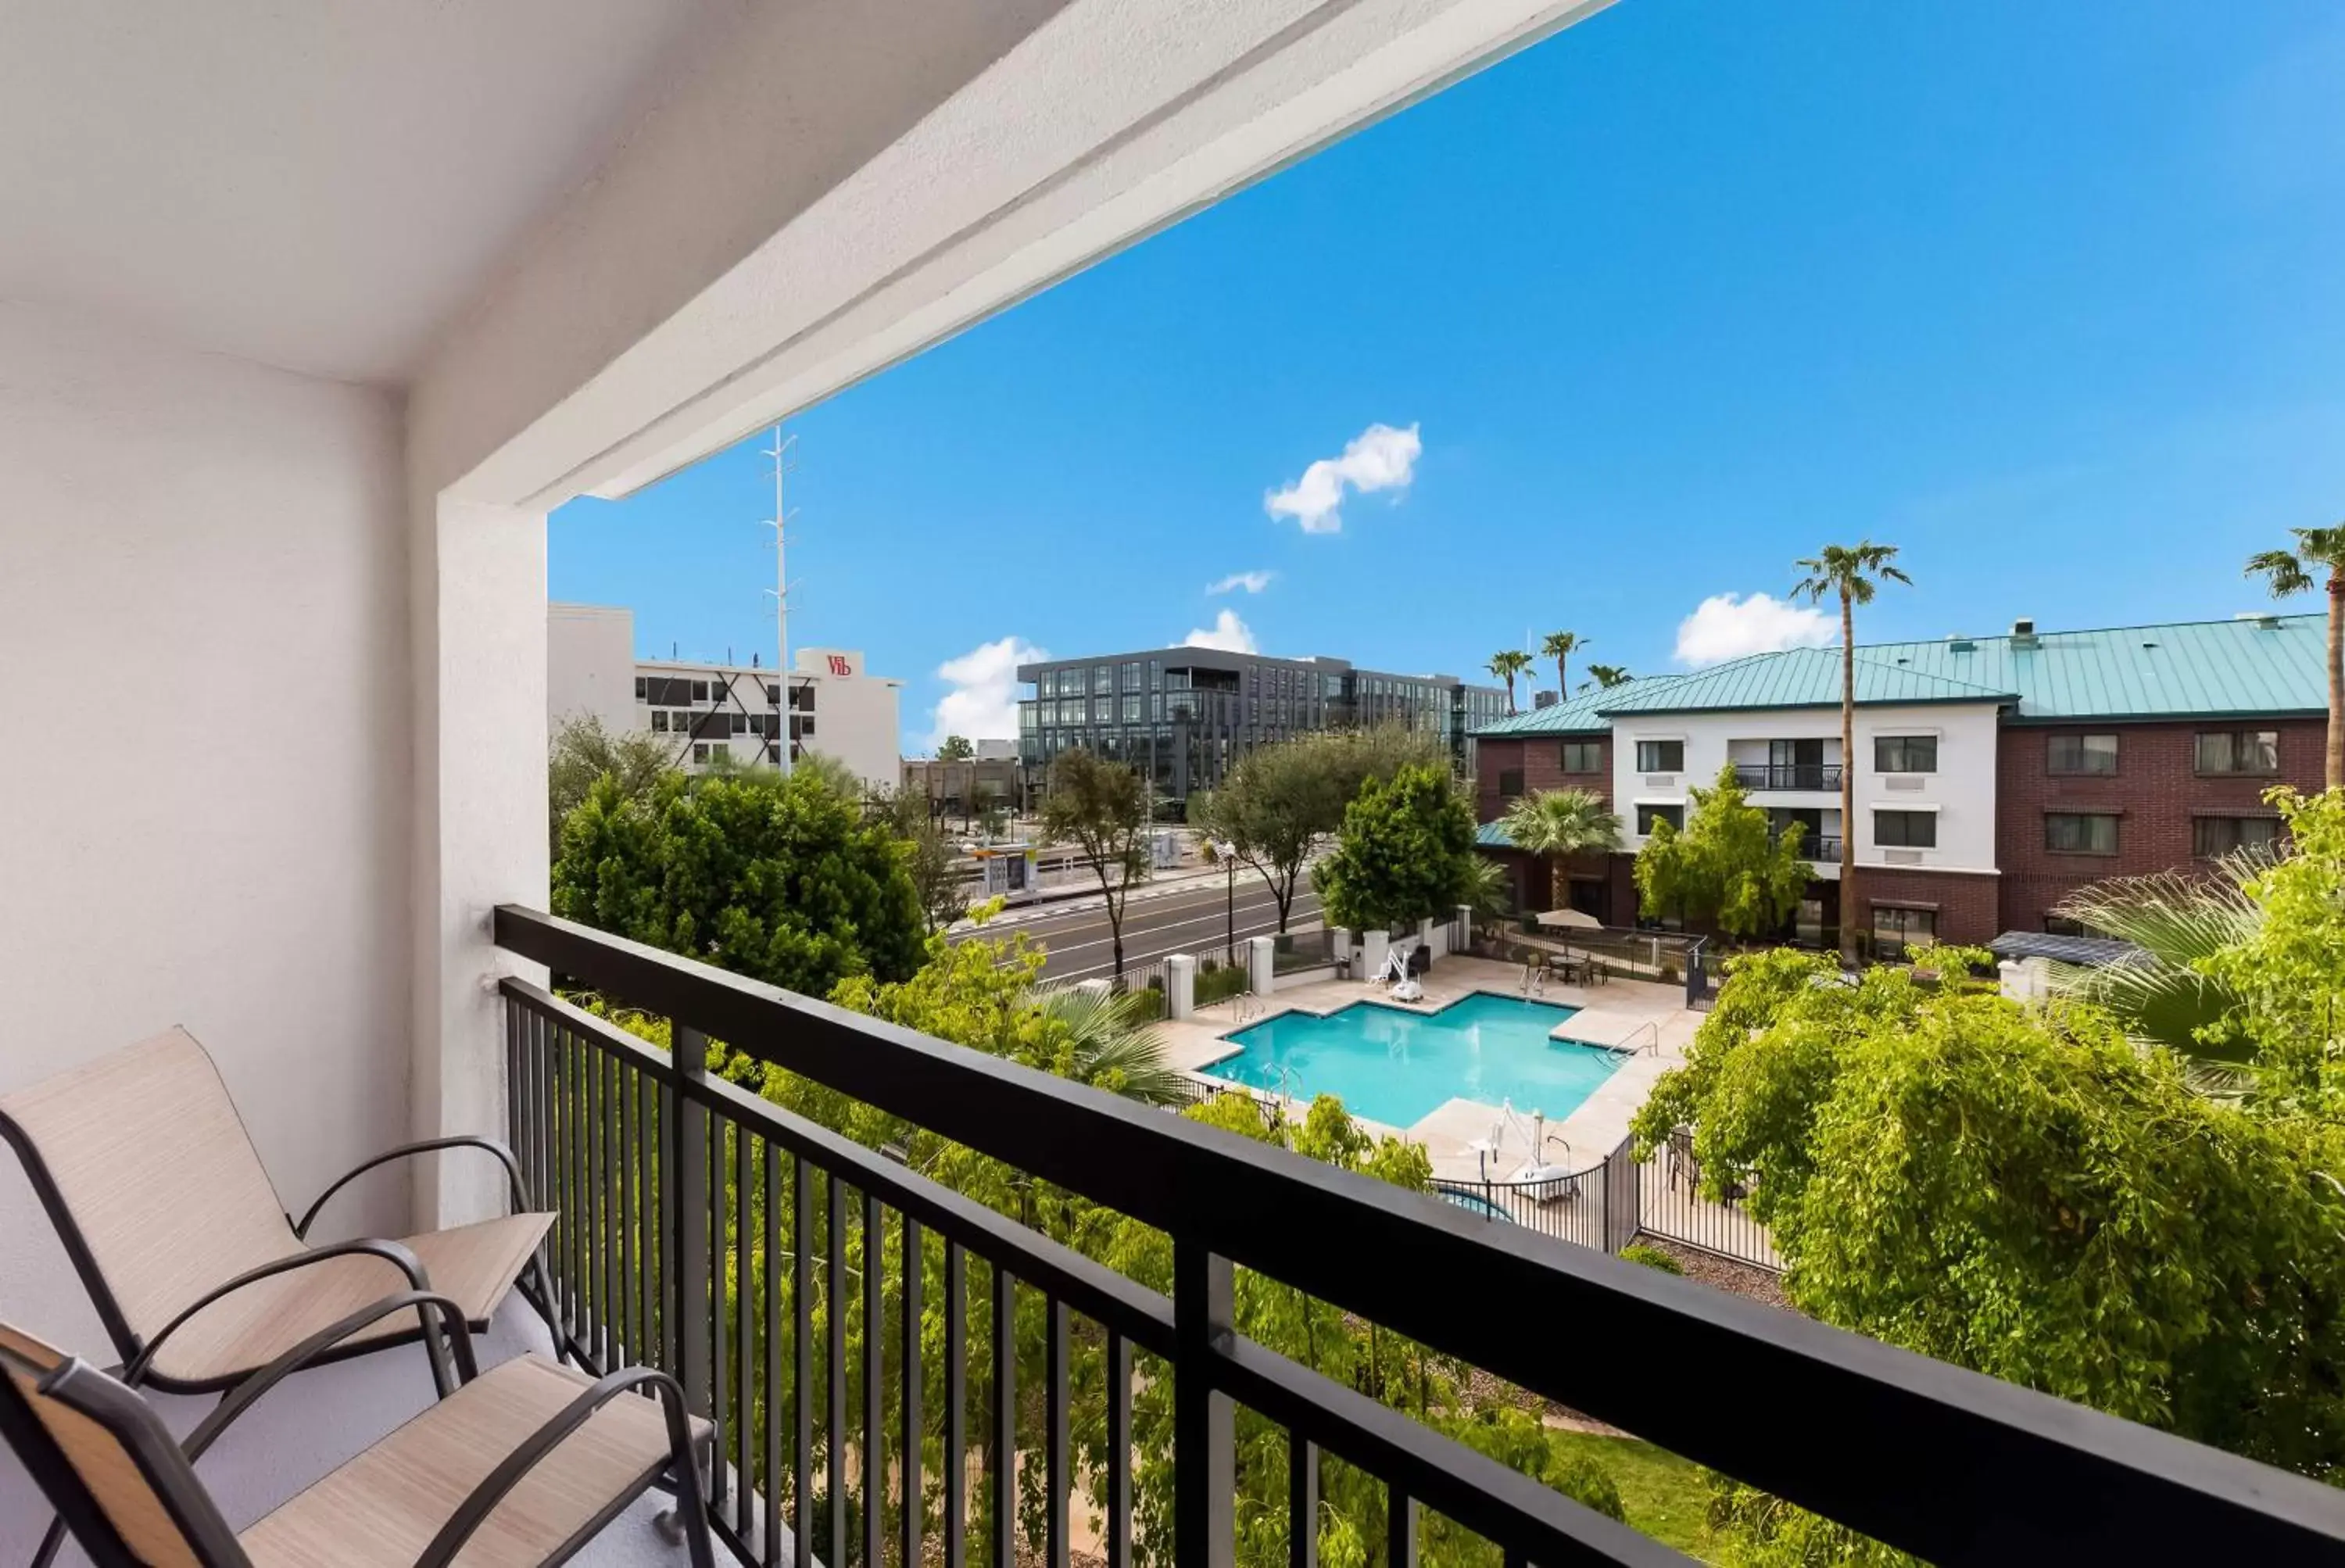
<point>320,185</point>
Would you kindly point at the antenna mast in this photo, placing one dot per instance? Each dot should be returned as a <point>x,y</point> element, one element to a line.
<point>780,453</point>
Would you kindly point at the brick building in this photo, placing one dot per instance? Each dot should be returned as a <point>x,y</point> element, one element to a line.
<point>1996,775</point>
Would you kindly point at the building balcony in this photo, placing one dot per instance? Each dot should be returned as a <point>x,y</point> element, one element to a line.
<point>1803,776</point>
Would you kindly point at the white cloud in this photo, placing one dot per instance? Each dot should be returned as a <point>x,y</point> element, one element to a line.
<point>1252,581</point>
<point>983,702</point>
<point>1378,458</point>
<point>1227,633</point>
<point>1729,625</point>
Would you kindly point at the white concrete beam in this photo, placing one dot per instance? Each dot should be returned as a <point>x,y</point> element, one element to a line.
<point>840,183</point>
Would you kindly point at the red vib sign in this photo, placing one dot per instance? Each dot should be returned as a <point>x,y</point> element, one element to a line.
<point>838,664</point>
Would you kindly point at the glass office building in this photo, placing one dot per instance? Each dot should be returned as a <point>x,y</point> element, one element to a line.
<point>1182,716</point>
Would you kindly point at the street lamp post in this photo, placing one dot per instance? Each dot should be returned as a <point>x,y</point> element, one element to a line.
<point>1228,852</point>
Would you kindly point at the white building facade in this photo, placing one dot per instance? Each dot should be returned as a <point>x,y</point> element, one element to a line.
<point>713,714</point>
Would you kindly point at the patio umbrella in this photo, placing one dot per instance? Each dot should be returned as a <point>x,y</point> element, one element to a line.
<point>1571,920</point>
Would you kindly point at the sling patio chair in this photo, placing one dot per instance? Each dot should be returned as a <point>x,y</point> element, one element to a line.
<point>518,1467</point>
<point>201,1276</point>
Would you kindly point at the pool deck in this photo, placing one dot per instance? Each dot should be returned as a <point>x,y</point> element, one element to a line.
<point>1615,1014</point>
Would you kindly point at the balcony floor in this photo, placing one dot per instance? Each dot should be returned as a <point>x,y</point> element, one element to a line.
<point>317,1419</point>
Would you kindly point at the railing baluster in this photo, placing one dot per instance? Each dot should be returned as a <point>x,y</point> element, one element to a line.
<point>875,1342</point>
<point>574,1237</point>
<point>599,1274</point>
<point>909,1461</point>
<point>1055,1420</point>
<point>1004,1474</point>
<point>720,1366</point>
<point>1301,1501</point>
<point>744,1375</point>
<point>802,1385</point>
<point>689,1063</point>
<point>628,1171</point>
<point>1118,1450</point>
<point>650,1295</point>
<point>1204,1464</point>
<point>956,1455</point>
<point>1400,1522</point>
<point>770,1310</point>
<point>834,1300</point>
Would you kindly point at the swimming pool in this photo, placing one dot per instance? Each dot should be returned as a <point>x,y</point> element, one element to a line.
<point>1393,1066</point>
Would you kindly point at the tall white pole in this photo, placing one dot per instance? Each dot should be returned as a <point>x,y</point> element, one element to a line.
<point>779,453</point>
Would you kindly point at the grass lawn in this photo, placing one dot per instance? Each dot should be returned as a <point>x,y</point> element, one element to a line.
<point>1664,1495</point>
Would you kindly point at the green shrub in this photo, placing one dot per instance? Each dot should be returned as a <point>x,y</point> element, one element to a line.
<point>1217,983</point>
<point>1652,1257</point>
<point>1586,1483</point>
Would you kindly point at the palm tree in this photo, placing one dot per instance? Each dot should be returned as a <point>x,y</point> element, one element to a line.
<point>2290,572</point>
<point>1852,573</point>
<point>1560,823</point>
<point>1608,676</point>
<point>1505,667</point>
<point>1559,647</point>
<point>1112,1044</point>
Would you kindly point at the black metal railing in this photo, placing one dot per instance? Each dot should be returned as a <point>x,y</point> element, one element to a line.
<point>1302,950</point>
<point>710,1232</point>
<point>1787,775</point>
<point>1616,1200</point>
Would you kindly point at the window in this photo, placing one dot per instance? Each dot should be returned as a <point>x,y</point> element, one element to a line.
<point>774,695</point>
<point>1896,929</point>
<point>802,726</point>
<point>1905,754</point>
<point>1905,830</point>
<point>2061,925</point>
<point>1583,757</point>
<point>721,751</point>
<point>641,689</point>
<point>1660,757</point>
<point>680,721</point>
<point>659,721</point>
<point>1131,676</point>
<point>2080,754</point>
<point>1649,815</point>
<point>2213,836</point>
<point>1103,677</point>
<point>700,691</point>
<point>2080,833</point>
<point>1133,711</point>
<point>1510,782</point>
<point>700,753</point>
<point>2236,751</point>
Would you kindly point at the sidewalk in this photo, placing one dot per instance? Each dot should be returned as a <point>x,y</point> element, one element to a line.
<point>1053,901</point>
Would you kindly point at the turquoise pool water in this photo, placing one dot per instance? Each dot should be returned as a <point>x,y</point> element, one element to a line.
<point>1393,1066</point>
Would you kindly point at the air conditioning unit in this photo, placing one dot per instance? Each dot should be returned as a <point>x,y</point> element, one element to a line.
<point>1903,781</point>
<point>1661,780</point>
<point>1900,857</point>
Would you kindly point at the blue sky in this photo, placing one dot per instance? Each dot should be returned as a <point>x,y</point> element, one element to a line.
<point>2049,295</point>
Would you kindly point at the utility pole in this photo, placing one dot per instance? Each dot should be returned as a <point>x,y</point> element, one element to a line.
<point>779,453</point>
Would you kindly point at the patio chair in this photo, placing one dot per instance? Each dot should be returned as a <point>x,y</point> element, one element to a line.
<point>519,1466</point>
<point>198,1273</point>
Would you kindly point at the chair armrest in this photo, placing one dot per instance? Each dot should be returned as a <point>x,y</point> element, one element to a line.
<point>390,1251</point>
<point>428,1146</point>
<point>427,1305</point>
<point>474,1511</point>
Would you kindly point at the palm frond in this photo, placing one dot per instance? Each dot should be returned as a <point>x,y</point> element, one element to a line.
<point>1113,1045</point>
<point>2160,997</point>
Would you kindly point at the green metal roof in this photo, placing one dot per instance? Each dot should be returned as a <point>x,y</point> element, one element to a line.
<point>2251,664</point>
<point>1576,715</point>
<point>1493,835</point>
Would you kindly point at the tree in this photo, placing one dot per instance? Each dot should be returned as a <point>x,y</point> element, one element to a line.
<point>2286,967</point>
<point>1559,824</point>
<point>1559,647</point>
<point>2160,997</point>
<point>1282,802</point>
<point>777,877</point>
<point>1852,573</point>
<point>1729,865</point>
<point>1508,665</point>
<point>2021,1191</point>
<point>582,751</point>
<point>2288,572</point>
<point>1101,808</point>
<point>1405,851</point>
<point>1608,675</point>
<point>956,748</point>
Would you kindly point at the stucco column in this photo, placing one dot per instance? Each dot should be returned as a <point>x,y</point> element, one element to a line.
<point>1181,985</point>
<point>1373,946</point>
<point>477,610</point>
<point>1261,967</point>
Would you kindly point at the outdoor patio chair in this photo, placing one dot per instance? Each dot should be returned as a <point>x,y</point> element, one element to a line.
<point>519,1466</point>
<point>198,1273</point>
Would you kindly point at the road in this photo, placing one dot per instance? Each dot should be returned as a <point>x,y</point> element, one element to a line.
<point>1075,936</point>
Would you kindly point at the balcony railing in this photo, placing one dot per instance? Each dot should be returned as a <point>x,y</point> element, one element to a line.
<point>1816,775</point>
<point>704,1230</point>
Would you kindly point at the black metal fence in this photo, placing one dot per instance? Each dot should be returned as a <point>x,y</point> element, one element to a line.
<point>1611,1203</point>
<point>781,1271</point>
<point>1303,950</point>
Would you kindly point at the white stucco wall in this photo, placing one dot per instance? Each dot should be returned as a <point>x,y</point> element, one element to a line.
<point>227,542</point>
<point>1962,792</point>
<point>590,665</point>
